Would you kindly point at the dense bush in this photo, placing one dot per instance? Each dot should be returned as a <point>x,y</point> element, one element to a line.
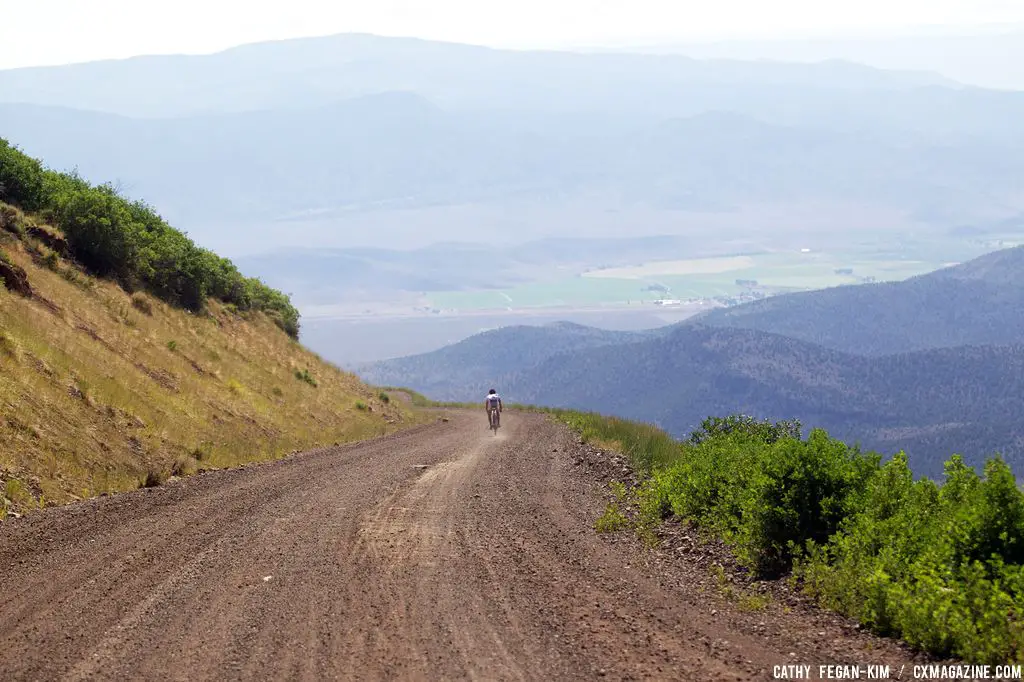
<point>129,242</point>
<point>761,487</point>
<point>21,178</point>
<point>745,426</point>
<point>940,565</point>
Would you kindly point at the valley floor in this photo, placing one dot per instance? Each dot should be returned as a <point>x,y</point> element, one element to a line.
<point>438,552</point>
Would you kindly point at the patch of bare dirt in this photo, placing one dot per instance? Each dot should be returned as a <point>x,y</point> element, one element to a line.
<point>15,278</point>
<point>94,335</point>
<point>160,376</point>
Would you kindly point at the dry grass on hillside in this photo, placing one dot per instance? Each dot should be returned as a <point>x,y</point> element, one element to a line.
<point>100,390</point>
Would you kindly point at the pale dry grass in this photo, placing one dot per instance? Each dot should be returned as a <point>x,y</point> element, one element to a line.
<point>93,397</point>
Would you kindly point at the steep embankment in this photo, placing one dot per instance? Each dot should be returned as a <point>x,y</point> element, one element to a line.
<point>98,388</point>
<point>102,390</point>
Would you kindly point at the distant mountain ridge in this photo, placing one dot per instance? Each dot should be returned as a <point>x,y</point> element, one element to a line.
<point>973,303</point>
<point>930,403</point>
<point>989,56</point>
<point>400,150</point>
<point>468,369</point>
<point>311,71</point>
<point>342,138</point>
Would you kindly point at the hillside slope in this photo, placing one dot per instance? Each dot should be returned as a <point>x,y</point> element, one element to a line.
<point>975,303</point>
<point>101,390</point>
<point>465,370</point>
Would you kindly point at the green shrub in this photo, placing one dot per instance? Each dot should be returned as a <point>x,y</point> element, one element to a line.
<point>360,405</point>
<point>612,520</point>
<point>762,488</point>
<point>21,178</point>
<point>18,493</point>
<point>384,397</point>
<point>747,426</point>
<point>304,375</point>
<point>172,345</point>
<point>938,565</point>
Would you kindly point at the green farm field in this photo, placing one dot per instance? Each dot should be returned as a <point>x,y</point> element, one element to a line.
<point>694,278</point>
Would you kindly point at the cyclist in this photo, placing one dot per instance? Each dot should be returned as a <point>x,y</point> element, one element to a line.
<point>493,406</point>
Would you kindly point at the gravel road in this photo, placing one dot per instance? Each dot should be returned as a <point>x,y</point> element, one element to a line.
<point>441,552</point>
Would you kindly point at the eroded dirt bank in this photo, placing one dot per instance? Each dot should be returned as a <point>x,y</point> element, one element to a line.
<point>438,553</point>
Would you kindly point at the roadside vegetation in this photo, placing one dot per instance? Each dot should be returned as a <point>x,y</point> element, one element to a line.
<point>128,355</point>
<point>126,241</point>
<point>937,564</point>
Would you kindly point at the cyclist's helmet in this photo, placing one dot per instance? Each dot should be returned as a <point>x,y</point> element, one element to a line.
<point>491,392</point>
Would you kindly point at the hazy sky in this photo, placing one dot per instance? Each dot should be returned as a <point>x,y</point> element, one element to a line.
<point>60,31</point>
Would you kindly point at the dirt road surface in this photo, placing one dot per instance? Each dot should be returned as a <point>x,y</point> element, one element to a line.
<point>438,553</point>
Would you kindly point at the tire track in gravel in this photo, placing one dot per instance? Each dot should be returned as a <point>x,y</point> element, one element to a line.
<point>441,552</point>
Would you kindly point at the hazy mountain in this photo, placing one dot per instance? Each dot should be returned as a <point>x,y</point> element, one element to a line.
<point>991,58</point>
<point>397,151</point>
<point>311,71</point>
<point>359,140</point>
<point>325,275</point>
<point>974,303</point>
<point>467,369</point>
<point>930,403</point>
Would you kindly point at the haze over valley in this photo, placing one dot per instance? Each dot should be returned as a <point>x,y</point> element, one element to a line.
<point>372,176</point>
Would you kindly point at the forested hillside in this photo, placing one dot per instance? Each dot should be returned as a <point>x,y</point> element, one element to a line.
<point>466,370</point>
<point>966,400</point>
<point>977,302</point>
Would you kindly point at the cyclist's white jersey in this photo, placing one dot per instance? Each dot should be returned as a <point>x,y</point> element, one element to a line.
<point>492,399</point>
